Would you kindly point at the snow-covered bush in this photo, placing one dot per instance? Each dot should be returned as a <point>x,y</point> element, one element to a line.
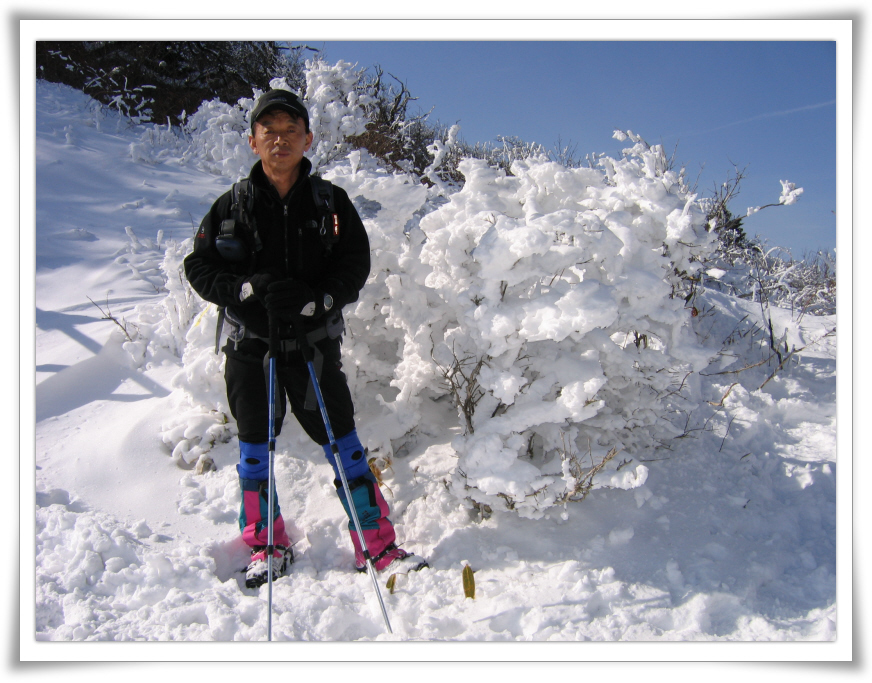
<point>771,276</point>
<point>201,417</point>
<point>156,144</point>
<point>751,269</point>
<point>164,325</point>
<point>215,137</point>
<point>336,109</point>
<point>181,327</point>
<point>545,306</point>
<point>441,152</point>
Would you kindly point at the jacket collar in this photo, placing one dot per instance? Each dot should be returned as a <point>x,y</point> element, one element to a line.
<point>258,177</point>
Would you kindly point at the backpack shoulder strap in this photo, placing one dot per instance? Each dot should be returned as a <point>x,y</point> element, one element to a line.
<point>328,219</point>
<point>242,208</point>
<point>322,190</point>
<point>242,200</point>
<point>228,227</point>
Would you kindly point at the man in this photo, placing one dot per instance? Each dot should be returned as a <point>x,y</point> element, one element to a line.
<point>262,256</point>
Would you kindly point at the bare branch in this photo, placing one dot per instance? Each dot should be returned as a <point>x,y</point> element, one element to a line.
<point>107,315</point>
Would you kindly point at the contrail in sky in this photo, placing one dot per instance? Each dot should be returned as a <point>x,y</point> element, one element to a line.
<point>768,115</point>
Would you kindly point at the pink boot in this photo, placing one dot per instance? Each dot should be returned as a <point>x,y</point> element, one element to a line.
<point>253,515</point>
<point>378,531</point>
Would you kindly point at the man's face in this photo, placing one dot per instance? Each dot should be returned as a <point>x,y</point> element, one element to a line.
<point>280,141</point>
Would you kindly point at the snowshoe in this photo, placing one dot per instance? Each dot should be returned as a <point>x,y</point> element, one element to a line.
<point>395,560</point>
<point>256,574</point>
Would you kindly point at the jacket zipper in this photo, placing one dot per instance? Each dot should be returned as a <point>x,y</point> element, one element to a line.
<point>287,255</point>
<point>299,249</point>
<point>299,270</point>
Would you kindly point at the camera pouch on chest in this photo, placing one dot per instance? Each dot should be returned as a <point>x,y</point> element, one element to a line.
<point>229,244</point>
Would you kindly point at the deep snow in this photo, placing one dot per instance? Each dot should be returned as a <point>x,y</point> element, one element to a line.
<point>732,536</point>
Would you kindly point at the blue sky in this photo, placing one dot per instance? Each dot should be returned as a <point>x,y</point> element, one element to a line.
<point>767,107</point>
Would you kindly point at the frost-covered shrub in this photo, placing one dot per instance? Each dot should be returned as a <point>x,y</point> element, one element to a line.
<point>201,416</point>
<point>753,270</point>
<point>181,327</point>
<point>164,326</point>
<point>771,276</point>
<point>543,302</point>
<point>215,137</point>
<point>336,110</point>
<point>441,152</point>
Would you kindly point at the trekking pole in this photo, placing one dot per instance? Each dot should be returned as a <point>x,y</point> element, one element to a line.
<point>270,547</point>
<point>303,343</point>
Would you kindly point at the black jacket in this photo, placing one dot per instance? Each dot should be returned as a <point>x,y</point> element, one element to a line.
<point>292,248</point>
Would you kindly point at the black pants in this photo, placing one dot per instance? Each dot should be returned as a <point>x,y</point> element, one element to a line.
<point>246,373</point>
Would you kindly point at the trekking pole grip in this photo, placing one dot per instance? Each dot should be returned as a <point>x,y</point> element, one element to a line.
<point>274,341</point>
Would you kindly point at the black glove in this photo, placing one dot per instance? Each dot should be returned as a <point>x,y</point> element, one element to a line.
<point>289,299</point>
<point>256,287</point>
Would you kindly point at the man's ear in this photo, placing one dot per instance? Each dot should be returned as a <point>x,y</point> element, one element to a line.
<point>309,137</point>
<point>252,143</point>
